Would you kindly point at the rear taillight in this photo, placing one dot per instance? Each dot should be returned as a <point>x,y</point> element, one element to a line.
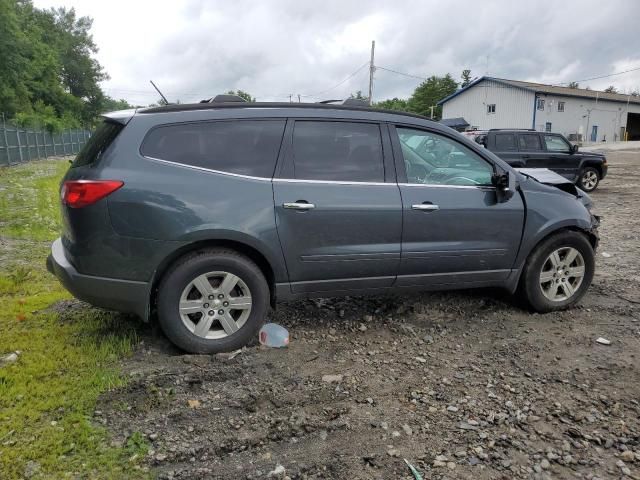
<point>80,193</point>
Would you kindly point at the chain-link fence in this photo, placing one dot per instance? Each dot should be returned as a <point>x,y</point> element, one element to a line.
<point>19,145</point>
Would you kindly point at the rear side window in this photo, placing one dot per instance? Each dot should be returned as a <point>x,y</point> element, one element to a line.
<point>338,151</point>
<point>245,147</point>
<point>556,144</point>
<point>505,142</point>
<point>96,145</point>
<point>529,142</point>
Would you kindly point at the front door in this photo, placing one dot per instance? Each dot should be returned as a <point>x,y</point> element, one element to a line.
<point>594,133</point>
<point>338,207</point>
<point>455,231</point>
<point>562,159</point>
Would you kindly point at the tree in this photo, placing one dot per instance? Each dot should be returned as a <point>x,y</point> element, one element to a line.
<point>393,104</point>
<point>611,89</point>
<point>635,93</point>
<point>429,93</point>
<point>466,78</point>
<point>573,85</point>
<point>242,94</point>
<point>359,96</point>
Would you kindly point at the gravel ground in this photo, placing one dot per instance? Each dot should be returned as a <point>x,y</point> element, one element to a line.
<point>463,384</point>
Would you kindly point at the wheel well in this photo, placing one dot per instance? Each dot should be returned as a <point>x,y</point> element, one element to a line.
<point>597,166</point>
<point>239,247</point>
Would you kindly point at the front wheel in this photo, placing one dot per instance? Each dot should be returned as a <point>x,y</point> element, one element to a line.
<point>212,301</point>
<point>589,179</point>
<point>558,272</point>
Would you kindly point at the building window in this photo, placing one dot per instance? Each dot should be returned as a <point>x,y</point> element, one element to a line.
<point>491,108</point>
<point>547,127</point>
<point>540,105</point>
<point>561,106</point>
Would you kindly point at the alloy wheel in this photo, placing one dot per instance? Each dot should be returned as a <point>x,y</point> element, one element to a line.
<point>562,274</point>
<point>589,179</point>
<point>215,305</point>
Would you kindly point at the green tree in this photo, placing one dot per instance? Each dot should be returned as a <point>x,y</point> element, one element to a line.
<point>429,93</point>
<point>393,104</point>
<point>611,89</point>
<point>242,94</point>
<point>573,85</point>
<point>466,78</point>
<point>359,96</point>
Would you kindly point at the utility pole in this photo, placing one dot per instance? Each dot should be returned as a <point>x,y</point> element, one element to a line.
<point>299,101</point>
<point>372,69</point>
<point>431,107</point>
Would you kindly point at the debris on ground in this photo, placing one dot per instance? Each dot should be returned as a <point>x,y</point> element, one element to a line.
<point>603,341</point>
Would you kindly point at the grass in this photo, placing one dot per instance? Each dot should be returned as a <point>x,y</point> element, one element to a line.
<point>68,354</point>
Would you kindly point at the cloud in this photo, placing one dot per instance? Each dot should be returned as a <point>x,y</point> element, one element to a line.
<point>195,48</point>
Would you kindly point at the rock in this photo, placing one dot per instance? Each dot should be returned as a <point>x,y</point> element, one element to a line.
<point>603,341</point>
<point>544,464</point>
<point>362,327</point>
<point>451,465</point>
<point>451,408</point>
<point>332,378</point>
<point>9,358</point>
<point>407,430</point>
<point>428,338</point>
<point>421,359</point>
<point>276,472</point>
<point>392,452</point>
<point>160,457</point>
<point>627,456</point>
<point>606,255</point>
<point>31,469</point>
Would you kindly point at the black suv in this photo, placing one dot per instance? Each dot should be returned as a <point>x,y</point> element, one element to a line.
<point>203,215</point>
<point>532,149</point>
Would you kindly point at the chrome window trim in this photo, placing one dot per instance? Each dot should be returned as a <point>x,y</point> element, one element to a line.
<point>204,169</point>
<point>333,182</point>
<point>296,180</point>
<point>475,187</point>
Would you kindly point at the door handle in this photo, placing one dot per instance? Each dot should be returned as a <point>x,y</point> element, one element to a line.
<point>299,205</point>
<point>427,207</point>
<point>525,157</point>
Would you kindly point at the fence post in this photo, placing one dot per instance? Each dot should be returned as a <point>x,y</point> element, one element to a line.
<point>19,144</point>
<point>35,134</point>
<point>6,140</point>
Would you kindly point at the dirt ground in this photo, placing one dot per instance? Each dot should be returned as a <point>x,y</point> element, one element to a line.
<point>462,385</point>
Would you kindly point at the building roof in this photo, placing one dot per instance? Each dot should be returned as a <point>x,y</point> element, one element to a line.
<point>454,122</point>
<point>551,90</point>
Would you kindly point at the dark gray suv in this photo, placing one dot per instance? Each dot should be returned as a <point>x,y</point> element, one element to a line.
<point>203,215</point>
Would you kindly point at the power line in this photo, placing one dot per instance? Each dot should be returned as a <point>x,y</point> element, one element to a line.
<point>602,76</point>
<point>340,83</point>
<point>400,73</point>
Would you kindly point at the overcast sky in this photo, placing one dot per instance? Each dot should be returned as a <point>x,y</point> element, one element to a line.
<point>194,49</point>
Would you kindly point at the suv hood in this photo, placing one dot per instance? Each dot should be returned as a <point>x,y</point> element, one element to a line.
<point>553,179</point>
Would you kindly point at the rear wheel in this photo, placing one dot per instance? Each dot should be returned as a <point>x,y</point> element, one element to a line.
<point>558,272</point>
<point>212,301</point>
<point>589,179</point>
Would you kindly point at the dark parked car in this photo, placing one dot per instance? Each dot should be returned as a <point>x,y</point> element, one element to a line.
<point>203,215</point>
<point>531,149</point>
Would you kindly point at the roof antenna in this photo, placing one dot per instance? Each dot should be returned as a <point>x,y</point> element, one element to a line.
<point>158,90</point>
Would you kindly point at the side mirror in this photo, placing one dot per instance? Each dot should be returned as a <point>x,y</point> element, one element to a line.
<point>505,183</point>
<point>574,148</point>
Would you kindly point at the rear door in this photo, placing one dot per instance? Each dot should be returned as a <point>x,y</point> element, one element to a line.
<point>505,145</point>
<point>532,151</point>
<point>455,231</point>
<point>561,158</point>
<point>338,207</point>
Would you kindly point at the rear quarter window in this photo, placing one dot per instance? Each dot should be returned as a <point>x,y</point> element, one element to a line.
<point>245,147</point>
<point>104,135</point>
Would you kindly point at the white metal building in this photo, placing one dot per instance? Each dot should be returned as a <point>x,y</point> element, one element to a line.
<point>579,114</point>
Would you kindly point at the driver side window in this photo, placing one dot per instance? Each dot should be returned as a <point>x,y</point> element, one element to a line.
<point>432,159</point>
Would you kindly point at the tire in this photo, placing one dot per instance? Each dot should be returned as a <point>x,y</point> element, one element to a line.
<point>536,290</point>
<point>589,179</point>
<point>202,323</point>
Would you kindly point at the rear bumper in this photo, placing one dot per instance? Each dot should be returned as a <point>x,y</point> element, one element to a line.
<point>121,295</point>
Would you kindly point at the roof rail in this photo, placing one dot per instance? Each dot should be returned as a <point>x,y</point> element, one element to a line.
<point>352,102</point>
<point>512,129</point>
<point>224,98</point>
